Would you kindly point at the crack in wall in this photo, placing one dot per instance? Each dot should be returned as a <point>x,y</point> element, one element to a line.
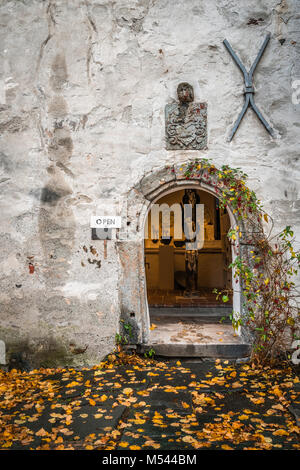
<point>51,25</point>
<point>93,31</point>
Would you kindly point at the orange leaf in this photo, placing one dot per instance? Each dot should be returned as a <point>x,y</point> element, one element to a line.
<point>72,384</point>
<point>41,432</point>
<point>280,432</point>
<point>226,447</point>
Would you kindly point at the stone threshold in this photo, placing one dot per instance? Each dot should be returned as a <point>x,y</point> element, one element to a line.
<point>191,337</point>
<point>203,351</point>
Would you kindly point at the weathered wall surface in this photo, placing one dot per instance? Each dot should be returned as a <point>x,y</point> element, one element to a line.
<point>83,90</point>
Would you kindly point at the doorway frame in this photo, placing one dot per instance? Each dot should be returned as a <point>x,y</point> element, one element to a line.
<point>133,288</point>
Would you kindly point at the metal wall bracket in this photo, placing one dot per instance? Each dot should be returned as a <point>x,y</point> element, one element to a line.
<point>249,90</point>
<point>101,234</point>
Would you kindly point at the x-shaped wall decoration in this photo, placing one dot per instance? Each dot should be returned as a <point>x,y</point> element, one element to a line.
<point>249,90</point>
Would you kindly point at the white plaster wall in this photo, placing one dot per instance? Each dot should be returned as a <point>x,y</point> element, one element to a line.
<point>83,90</point>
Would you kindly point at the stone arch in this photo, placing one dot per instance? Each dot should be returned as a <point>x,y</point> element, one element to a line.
<point>132,282</point>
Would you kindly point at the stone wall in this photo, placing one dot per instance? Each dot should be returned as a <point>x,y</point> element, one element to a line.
<point>84,85</point>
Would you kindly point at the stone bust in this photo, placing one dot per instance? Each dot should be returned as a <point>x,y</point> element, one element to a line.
<point>185,93</point>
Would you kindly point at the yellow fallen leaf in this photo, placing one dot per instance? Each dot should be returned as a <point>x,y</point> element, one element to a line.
<point>139,421</point>
<point>242,417</point>
<point>278,407</point>
<point>153,326</point>
<point>277,392</point>
<point>280,432</point>
<point>72,384</point>
<point>153,444</point>
<point>68,419</point>
<point>92,402</point>
<point>188,439</point>
<point>123,444</point>
<point>257,401</point>
<point>185,405</point>
<point>236,385</point>
<point>41,432</point>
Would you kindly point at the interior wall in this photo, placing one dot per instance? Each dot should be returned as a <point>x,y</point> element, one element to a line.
<point>212,260</point>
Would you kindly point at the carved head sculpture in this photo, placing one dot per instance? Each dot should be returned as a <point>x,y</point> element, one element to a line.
<point>189,192</point>
<point>185,92</point>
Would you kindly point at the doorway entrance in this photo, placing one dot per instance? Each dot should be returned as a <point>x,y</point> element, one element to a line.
<point>167,312</point>
<point>166,258</point>
<point>185,313</point>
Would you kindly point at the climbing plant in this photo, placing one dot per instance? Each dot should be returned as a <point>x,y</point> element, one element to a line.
<point>265,265</point>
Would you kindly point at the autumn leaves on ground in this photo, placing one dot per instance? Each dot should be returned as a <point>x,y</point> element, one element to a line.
<point>145,404</point>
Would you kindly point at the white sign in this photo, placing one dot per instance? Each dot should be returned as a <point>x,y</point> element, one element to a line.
<point>105,221</point>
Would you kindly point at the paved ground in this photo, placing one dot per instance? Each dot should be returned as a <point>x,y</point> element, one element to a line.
<point>160,405</point>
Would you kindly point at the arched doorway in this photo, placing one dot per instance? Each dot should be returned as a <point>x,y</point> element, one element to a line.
<point>186,315</point>
<point>219,340</point>
<point>168,277</point>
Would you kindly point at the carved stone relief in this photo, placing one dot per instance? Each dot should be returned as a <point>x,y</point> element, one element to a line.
<point>186,121</point>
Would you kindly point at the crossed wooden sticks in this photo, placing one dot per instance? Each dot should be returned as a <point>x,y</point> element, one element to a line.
<point>249,90</point>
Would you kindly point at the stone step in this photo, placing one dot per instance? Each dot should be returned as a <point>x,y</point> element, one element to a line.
<point>190,311</point>
<point>203,351</point>
<point>191,337</point>
<point>206,314</point>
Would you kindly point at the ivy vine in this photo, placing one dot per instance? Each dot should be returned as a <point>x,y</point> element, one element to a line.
<point>265,264</point>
